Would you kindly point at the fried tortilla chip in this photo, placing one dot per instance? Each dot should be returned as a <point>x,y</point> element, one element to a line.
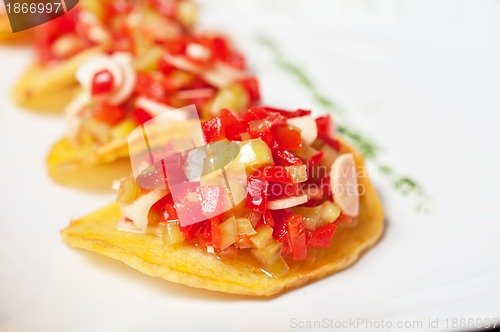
<point>50,87</point>
<point>191,266</point>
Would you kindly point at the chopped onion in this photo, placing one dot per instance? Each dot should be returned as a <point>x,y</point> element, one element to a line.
<point>138,210</point>
<point>297,172</point>
<point>307,126</point>
<point>221,74</point>
<point>229,231</point>
<point>269,254</point>
<point>73,114</point>
<point>245,227</point>
<point>119,65</point>
<point>263,237</point>
<point>155,108</point>
<point>278,269</point>
<point>284,203</point>
<point>183,63</point>
<point>195,93</point>
<point>128,226</point>
<point>198,51</point>
<point>171,234</point>
<point>124,90</point>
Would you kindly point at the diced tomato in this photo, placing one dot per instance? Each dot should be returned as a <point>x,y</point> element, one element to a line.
<point>102,82</point>
<point>297,236</point>
<point>256,198</point>
<point>285,158</point>
<point>141,116</point>
<point>286,138</point>
<point>108,113</point>
<point>322,236</point>
<point>251,85</point>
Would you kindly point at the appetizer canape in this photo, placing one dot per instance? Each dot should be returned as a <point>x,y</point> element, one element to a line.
<point>305,207</point>
<point>120,91</point>
<point>63,44</point>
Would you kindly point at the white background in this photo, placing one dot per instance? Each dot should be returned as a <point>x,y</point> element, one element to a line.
<point>420,77</point>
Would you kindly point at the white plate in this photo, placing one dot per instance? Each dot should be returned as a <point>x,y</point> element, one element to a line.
<point>421,78</point>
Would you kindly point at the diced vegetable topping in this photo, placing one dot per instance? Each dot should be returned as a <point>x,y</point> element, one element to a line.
<point>293,201</point>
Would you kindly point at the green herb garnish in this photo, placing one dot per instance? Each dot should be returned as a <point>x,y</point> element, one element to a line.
<point>402,183</point>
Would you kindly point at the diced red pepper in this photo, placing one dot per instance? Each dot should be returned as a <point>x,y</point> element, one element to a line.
<point>286,138</point>
<point>224,125</point>
<point>236,60</point>
<point>326,127</point>
<point>219,47</point>
<point>286,158</point>
<point>346,219</point>
<point>268,219</point>
<point>151,88</point>
<point>109,114</point>
<point>166,8</point>
<point>200,233</point>
<point>322,236</point>
<point>273,174</point>
<point>243,239</point>
<point>280,190</point>
<point>251,85</point>
<point>256,198</point>
<point>141,116</point>
<point>212,129</point>
<point>102,82</point>
<point>216,234</point>
<point>233,127</point>
<point>297,236</point>
<point>316,159</point>
<point>334,143</point>
<point>280,229</point>
<point>169,211</point>
<point>165,67</point>
<point>177,46</point>
<point>288,114</point>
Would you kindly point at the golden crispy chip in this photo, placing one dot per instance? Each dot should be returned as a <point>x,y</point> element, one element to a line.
<point>191,266</point>
<point>50,87</point>
<point>64,158</point>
